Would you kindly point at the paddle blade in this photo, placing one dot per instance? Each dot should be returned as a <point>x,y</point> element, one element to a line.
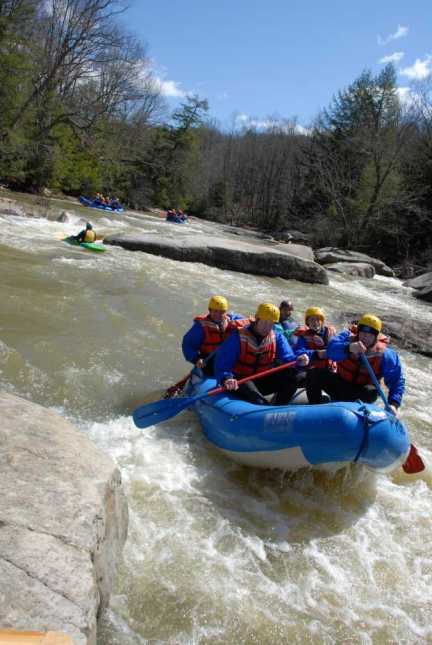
<point>414,463</point>
<point>152,413</point>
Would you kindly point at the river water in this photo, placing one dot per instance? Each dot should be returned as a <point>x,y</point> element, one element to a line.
<point>216,553</point>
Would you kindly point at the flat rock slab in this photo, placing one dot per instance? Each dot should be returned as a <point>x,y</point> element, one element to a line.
<point>63,523</point>
<point>359,269</point>
<point>330,254</point>
<point>231,254</point>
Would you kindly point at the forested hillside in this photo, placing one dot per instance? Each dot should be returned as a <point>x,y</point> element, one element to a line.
<point>80,112</point>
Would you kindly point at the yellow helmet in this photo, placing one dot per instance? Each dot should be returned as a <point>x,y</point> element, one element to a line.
<point>267,311</point>
<point>314,311</point>
<point>219,303</point>
<point>369,320</point>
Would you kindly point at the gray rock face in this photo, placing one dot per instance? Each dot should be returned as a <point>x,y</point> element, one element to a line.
<point>288,235</point>
<point>63,217</point>
<point>411,334</point>
<point>424,294</point>
<point>223,253</point>
<point>244,232</point>
<point>420,282</point>
<point>359,269</point>
<point>63,523</point>
<point>330,254</point>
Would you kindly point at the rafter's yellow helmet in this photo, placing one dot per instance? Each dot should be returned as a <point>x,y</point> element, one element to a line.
<point>371,321</point>
<point>314,311</point>
<point>218,303</point>
<point>267,311</point>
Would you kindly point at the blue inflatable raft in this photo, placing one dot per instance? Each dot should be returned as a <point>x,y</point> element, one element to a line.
<point>176,220</point>
<point>296,436</point>
<point>102,207</point>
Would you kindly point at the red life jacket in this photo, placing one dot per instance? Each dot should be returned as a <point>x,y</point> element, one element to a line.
<point>213,334</point>
<point>254,356</point>
<point>353,371</point>
<point>313,339</point>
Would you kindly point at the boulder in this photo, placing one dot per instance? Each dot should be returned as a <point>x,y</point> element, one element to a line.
<point>300,250</point>
<point>412,334</point>
<point>63,523</point>
<point>16,211</point>
<point>288,235</point>
<point>420,282</point>
<point>359,269</point>
<point>424,294</point>
<point>224,253</point>
<point>245,232</point>
<point>63,217</point>
<point>329,255</point>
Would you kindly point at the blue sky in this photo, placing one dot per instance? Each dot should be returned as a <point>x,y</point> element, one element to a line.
<point>285,58</point>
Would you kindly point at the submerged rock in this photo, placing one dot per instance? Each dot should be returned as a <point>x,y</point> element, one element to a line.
<point>330,254</point>
<point>63,217</point>
<point>63,523</point>
<point>235,255</point>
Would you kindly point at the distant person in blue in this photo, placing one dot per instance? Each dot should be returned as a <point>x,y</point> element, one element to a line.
<point>181,216</point>
<point>286,324</point>
<point>352,380</point>
<point>114,203</point>
<point>208,332</point>
<point>171,215</point>
<point>256,348</point>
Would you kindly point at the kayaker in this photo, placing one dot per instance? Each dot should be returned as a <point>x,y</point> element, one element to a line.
<point>352,381</point>
<point>257,348</point>
<point>313,338</point>
<point>286,324</point>
<point>86,235</point>
<point>208,332</point>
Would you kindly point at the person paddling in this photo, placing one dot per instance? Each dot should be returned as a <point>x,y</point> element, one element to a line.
<point>352,380</point>
<point>86,235</point>
<point>208,332</point>
<point>253,349</point>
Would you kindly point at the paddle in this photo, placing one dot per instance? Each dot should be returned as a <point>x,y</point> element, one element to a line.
<point>149,415</point>
<point>413,463</point>
<point>175,390</point>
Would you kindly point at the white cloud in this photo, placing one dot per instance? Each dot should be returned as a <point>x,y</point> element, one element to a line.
<point>285,125</point>
<point>392,58</point>
<point>400,32</point>
<point>405,95</point>
<point>169,88</point>
<point>419,71</point>
<point>222,96</point>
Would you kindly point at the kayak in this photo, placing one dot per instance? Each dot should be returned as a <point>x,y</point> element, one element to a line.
<point>91,246</point>
<point>296,436</point>
<point>102,207</point>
